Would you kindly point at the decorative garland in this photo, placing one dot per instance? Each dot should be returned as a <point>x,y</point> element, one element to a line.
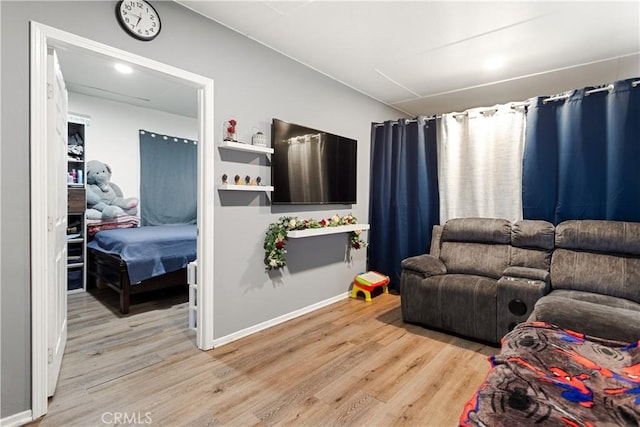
<point>276,236</point>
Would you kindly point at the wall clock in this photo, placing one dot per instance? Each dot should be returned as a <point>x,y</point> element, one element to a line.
<point>139,19</point>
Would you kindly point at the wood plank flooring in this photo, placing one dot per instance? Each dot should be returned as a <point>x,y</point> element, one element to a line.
<point>349,364</point>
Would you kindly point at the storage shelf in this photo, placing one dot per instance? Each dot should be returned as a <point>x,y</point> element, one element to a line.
<point>309,232</point>
<point>75,265</point>
<point>239,146</point>
<point>234,187</point>
<point>76,240</point>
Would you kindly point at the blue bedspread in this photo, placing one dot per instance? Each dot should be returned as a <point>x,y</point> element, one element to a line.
<point>149,251</point>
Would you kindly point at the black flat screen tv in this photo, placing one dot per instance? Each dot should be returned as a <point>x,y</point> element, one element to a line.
<point>311,167</point>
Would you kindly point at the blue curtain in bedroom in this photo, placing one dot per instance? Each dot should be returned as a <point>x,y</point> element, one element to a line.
<point>582,156</point>
<point>403,200</point>
<point>168,167</point>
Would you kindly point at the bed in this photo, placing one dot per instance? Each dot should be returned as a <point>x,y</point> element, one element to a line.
<point>545,375</point>
<point>136,260</point>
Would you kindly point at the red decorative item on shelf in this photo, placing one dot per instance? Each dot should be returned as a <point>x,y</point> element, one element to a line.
<point>230,130</point>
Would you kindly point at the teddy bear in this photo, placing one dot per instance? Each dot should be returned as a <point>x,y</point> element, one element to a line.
<point>104,198</point>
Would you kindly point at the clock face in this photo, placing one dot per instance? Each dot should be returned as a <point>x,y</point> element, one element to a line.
<point>139,19</point>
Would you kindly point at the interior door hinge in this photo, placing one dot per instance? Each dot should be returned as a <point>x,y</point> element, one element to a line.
<point>49,223</point>
<point>49,355</point>
<point>49,91</point>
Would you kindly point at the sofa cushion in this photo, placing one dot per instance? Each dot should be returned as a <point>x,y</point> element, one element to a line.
<point>604,274</point>
<point>460,303</point>
<point>533,234</point>
<point>530,258</point>
<point>480,230</point>
<point>532,243</point>
<point>436,237</point>
<point>475,258</point>
<point>592,297</point>
<point>599,236</point>
<point>595,319</point>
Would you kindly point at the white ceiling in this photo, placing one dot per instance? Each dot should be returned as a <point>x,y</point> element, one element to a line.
<point>408,54</point>
<point>94,75</point>
<point>421,57</point>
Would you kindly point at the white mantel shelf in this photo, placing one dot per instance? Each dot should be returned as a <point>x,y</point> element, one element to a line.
<point>239,146</point>
<point>309,232</point>
<point>234,187</point>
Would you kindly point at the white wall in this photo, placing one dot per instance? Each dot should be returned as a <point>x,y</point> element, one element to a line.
<point>113,135</point>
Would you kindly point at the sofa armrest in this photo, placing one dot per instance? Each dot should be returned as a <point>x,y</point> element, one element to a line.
<point>426,265</point>
<point>527,273</point>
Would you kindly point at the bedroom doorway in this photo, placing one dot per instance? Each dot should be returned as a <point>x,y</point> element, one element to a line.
<point>42,38</point>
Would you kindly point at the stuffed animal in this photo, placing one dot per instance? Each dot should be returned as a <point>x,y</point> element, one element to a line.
<point>104,198</point>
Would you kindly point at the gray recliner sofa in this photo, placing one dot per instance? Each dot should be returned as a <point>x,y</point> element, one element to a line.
<point>595,280</point>
<point>481,277</point>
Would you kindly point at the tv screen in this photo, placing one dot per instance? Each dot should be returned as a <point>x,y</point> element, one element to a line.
<point>311,167</point>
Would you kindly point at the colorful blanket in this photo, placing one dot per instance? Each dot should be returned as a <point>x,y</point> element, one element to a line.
<point>123,221</point>
<point>549,376</point>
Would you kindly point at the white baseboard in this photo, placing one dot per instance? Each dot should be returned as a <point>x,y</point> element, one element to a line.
<point>16,420</point>
<point>276,321</point>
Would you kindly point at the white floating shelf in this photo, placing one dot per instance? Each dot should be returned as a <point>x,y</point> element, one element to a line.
<point>239,146</point>
<point>309,232</point>
<point>234,187</point>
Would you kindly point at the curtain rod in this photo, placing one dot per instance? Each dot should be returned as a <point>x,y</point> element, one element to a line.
<point>395,122</point>
<point>559,97</point>
<point>608,88</point>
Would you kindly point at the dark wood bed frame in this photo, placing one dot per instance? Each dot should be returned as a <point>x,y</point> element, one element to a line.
<point>111,270</point>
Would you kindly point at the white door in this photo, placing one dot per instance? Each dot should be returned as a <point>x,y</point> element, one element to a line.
<point>56,219</point>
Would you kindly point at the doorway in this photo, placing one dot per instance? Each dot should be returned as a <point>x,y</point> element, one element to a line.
<point>42,38</point>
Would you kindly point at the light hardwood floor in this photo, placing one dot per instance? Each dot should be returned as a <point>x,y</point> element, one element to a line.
<point>351,363</point>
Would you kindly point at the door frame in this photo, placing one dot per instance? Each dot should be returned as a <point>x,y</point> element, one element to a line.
<point>42,37</point>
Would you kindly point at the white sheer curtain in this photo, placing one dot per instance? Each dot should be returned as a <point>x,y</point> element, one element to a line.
<point>480,163</point>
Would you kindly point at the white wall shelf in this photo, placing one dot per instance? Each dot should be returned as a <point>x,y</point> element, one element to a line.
<point>239,146</point>
<point>234,187</point>
<point>309,232</point>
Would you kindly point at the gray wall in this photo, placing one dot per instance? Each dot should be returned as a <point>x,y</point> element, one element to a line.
<point>253,84</point>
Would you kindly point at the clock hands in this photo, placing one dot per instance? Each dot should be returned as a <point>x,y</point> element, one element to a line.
<point>139,18</point>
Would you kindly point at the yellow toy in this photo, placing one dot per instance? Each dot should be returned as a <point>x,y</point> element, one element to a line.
<point>367,282</point>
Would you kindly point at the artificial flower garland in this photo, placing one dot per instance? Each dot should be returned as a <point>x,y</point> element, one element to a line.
<point>276,236</point>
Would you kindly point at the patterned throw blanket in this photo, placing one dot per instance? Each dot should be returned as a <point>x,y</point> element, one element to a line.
<point>549,376</point>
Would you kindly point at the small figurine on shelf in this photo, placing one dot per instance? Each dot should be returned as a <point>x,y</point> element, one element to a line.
<point>230,130</point>
<point>259,140</point>
<point>247,179</point>
<point>237,180</point>
<point>258,180</point>
<point>224,179</point>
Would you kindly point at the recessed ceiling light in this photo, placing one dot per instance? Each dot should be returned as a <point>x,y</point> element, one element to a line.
<point>124,69</point>
<point>494,63</point>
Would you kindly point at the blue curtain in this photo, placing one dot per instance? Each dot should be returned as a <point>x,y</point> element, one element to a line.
<point>403,196</point>
<point>581,156</point>
<point>168,167</point>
